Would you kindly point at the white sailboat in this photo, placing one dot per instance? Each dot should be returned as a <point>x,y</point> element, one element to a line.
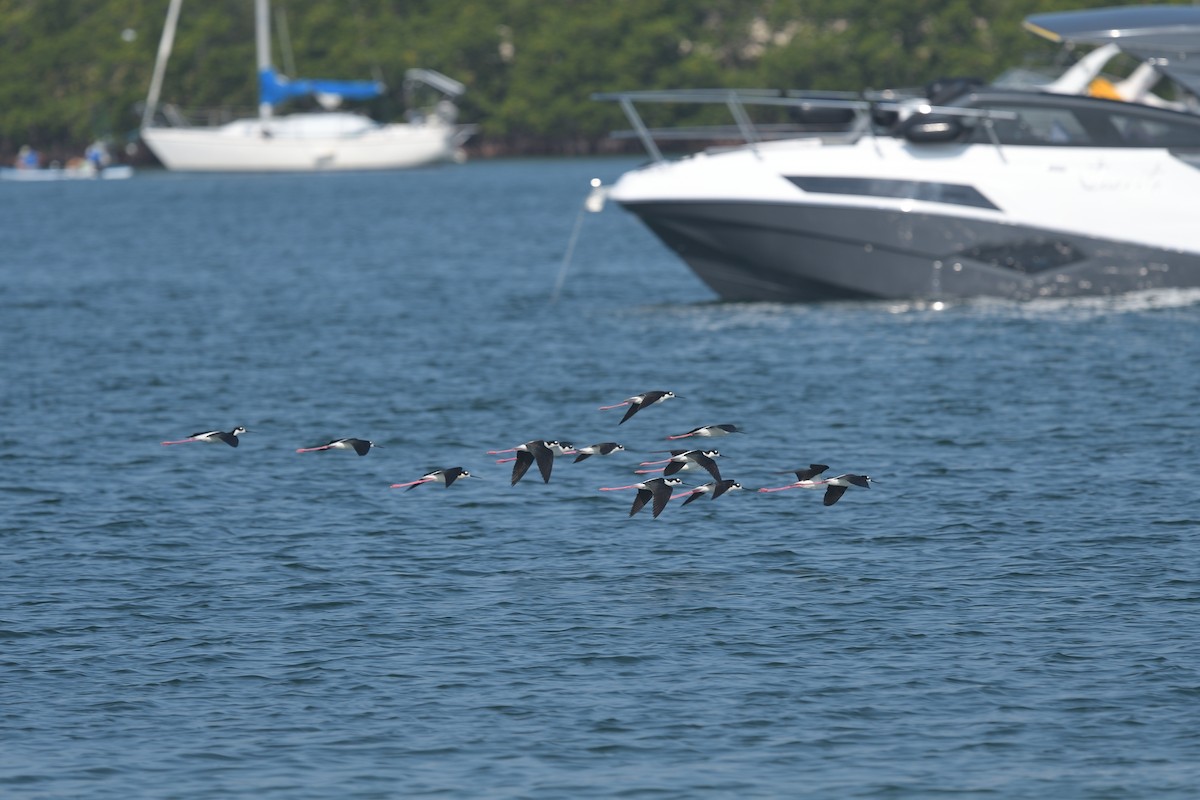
<point>303,142</point>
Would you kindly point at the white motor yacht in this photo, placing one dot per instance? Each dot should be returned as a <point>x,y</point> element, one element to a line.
<point>1076,186</point>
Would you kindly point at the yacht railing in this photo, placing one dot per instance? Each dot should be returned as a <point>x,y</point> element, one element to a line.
<point>736,101</point>
<point>865,110</point>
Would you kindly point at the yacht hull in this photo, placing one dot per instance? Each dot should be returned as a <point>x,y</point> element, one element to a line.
<point>810,252</point>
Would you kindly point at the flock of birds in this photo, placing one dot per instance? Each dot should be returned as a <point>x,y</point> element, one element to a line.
<point>657,491</point>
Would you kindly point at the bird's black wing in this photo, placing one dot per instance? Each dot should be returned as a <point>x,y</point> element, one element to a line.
<point>521,466</point>
<point>833,494</point>
<point>452,474</point>
<point>708,464</point>
<point>634,407</point>
<point>813,471</point>
<point>360,446</point>
<point>722,487</point>
<point>582,456</point>
<point>643,497</point>
<point>662,494</point>
<point>545,459</point>
<point>695,495</point>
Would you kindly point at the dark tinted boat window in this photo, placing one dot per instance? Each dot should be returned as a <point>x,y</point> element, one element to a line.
<point>952,193</point>
<point>1086,126</point>
<point>1037,126</point>
<point>1142,132</point>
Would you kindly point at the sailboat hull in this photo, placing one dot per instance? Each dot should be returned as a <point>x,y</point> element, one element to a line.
<point>304,143</point>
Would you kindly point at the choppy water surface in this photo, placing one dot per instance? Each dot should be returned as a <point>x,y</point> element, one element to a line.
<point>1011,611</point>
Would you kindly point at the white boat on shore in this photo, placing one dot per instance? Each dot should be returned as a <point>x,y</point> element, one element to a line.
<point>96,164</point>
<point>302,142</point>
<point>82,173</point>
<point>1076,186</point>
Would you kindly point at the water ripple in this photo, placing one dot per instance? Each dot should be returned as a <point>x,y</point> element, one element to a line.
<point>1005,613</point>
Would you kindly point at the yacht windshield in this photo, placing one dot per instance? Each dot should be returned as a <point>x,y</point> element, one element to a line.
<point>1088,124</point>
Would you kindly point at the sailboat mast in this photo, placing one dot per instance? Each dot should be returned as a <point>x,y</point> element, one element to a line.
<point>160,62</point>
<point>262,47</point>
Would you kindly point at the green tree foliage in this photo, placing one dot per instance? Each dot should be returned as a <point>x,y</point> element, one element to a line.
<point>72,70</point>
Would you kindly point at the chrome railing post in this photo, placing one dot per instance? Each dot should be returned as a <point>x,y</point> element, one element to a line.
<point>734,103</point>
<point>636,121</point>
<point>991,132</point>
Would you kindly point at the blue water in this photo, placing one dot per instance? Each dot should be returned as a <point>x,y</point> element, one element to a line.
<point>1012,610</point>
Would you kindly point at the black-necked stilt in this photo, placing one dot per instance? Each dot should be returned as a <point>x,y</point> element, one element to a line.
<point>446,476</point>
<point>709,430</point>
<point>834,487</point>
<point>540,451</point>
<point>715,489</point>
<point>360,446</point>
<point>658,489</point>
<point>601,449</point>
<point>838,485</point>
<point>640,401</point>
<point>804,479</point>
<point>212,437</point>
<point>684,459</point>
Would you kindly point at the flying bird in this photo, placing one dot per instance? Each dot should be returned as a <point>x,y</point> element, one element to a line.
<point>640,401</point>
<point>714,489</point>
<point>656,489</point>
<point>804,479</point>
<point>360,446</point>
<point>541,452</point>
<point>838,485</point>
<point>601,449</point>
<point>834,487</point>
<point>212,437</point>
<point>446,476</point>
<point>709,430</point>
<point>684,459</point>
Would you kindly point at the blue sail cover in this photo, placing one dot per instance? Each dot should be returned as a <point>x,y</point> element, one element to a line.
<point>274,88</point>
